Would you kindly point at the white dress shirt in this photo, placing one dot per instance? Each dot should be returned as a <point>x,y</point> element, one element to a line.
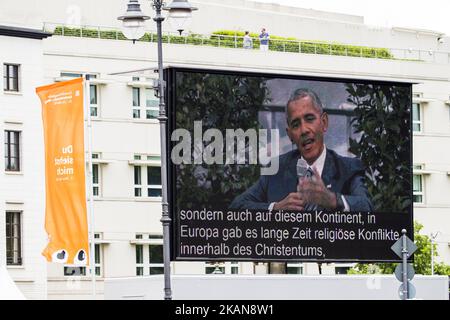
<point>318,165</point>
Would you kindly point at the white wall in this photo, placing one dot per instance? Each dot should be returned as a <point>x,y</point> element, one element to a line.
<point>240,15</point>
<point>118,215</point>
<point>116,131</point>
<point>25,191</point>
<point>88,13</point>
<point>116,56</point>
<point>272,287</point>
<point>430,149</point>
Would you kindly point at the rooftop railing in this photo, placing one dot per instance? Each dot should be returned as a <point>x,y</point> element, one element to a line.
<point>236,41</point>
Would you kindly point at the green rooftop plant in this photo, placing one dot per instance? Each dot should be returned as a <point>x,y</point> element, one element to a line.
<point>290,44</point>
<point>90,33</point>
<point>234,39</point>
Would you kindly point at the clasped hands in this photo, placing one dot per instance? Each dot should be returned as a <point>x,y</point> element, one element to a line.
<point>310,190</point>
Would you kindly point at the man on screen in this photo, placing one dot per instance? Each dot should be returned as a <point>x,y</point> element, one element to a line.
<point>333,182</point>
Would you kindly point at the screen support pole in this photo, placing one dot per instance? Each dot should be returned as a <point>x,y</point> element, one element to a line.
<point>165,219</point>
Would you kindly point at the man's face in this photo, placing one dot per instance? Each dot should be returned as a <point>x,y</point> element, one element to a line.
<point>306,127</point>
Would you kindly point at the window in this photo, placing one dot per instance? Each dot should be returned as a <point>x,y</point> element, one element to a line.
<point>137,182</point>
<point>294,268</point>
<point>139,257</point>
<point>95,184</point>
<point>139,260</point>
<point>341,270</point>
<point>152,184</point>
<point>12,150</point>
<point>149,110</point>
<point>95,176</point>
<point>98,259</point>
<point>13,238</point>
<point>71,75</point>
<point>152,104</point>
<point>82,271</point>
<point>155,256</point>
<point>93,90</point>
<point>11,77</point>
<point>149,256</point>
<point>136,103</point>
<point>74,271</point>
<point>222,267</point>
<point>93,100</point>
<point>418,195</point>
<point>417,117</point>
<point>213,267</point>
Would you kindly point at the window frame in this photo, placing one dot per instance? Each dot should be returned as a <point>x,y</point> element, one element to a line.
<point>136,107</point>
<point>299,266</point>
<point>84,271</point>
<point>343,266</point>
<point>7,146</point>
<point>153,186</point>
<point>141,180</point>
<point>226,267</point>
<point>146,107</point>
<point>149,108</point>
<point>137,181</point>
<point>420,193</point>
<point>155,264</point>
<point>146,265</point>
<point>7,77</point>
<point>14,260</point>
<point>98,260</point>
<point>92,106</point>
<point>139,265</point>
<point>418,122</point>
<point>96,185</point>
<point>77,271</point>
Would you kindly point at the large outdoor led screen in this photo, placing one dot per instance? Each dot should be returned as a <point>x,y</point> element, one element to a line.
<point>268,167</point>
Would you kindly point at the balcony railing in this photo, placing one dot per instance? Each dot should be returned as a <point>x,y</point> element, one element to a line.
<point>281,45</point>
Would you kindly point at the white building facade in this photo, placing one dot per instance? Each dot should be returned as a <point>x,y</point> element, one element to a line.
<point>126,142</point>
<point>22,200</point>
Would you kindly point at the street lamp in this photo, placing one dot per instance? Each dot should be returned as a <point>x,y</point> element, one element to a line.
<point>180,14</point>
<point>134,21</point>
<point>432,238</point>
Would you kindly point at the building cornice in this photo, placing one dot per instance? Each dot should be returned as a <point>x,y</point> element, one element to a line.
<point>424,32</point>
<point>17,32</point>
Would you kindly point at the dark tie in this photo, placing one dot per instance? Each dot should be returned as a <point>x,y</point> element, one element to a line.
<point>310,206</point>
<point>309,173</point>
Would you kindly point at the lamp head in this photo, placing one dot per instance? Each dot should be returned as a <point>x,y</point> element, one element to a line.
<point>133,20</point>
<point>180,13</point>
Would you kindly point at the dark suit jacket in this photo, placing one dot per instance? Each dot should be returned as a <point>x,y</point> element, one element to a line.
<point>340,174</point>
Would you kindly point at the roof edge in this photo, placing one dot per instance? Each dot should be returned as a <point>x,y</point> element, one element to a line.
<point>20,32</point>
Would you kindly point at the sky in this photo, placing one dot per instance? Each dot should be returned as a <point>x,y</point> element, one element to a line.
<point>422,14</point>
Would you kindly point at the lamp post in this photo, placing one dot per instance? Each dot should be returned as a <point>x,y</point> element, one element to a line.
<point>180,12</point>
<point>432,238</point>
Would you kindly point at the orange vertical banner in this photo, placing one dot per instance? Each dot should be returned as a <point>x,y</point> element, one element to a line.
<point>65,214</point>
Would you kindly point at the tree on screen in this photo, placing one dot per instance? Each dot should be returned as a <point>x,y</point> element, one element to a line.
<point>382,120</point>
<point>220,102</point>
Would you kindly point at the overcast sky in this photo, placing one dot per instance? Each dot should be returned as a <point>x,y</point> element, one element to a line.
<point>422,14</point>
